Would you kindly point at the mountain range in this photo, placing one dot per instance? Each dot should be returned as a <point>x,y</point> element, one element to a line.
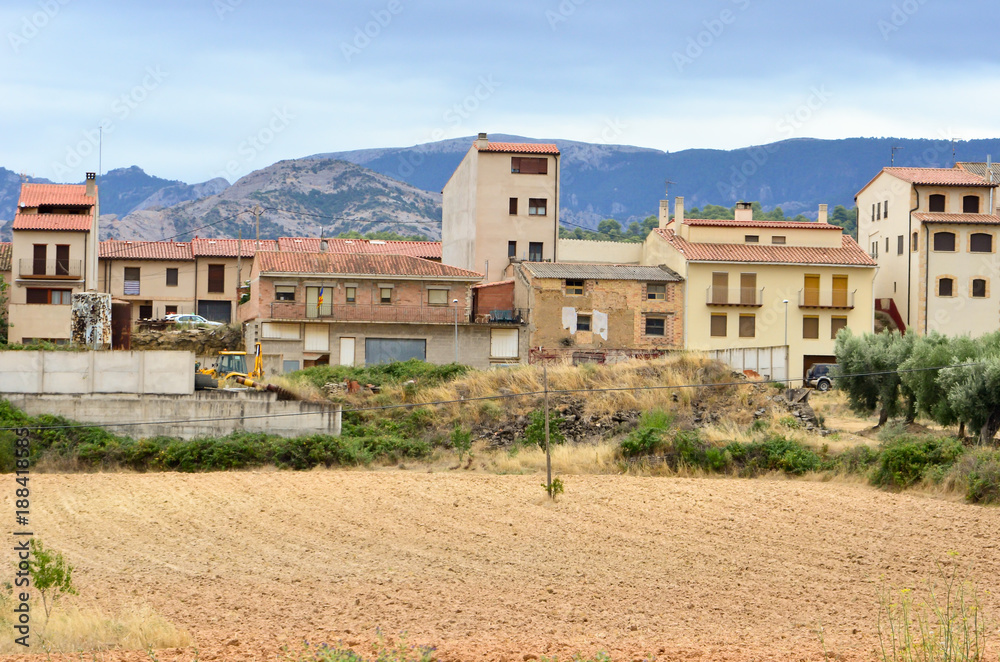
<point>398,189</point>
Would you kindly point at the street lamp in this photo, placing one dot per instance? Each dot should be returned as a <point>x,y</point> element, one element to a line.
<point>785,301</point>
<point>455,301</point>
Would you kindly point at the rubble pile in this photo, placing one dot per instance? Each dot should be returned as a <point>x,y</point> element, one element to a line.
<point>203,341</point>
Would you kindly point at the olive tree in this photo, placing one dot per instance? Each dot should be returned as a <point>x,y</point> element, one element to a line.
<point>868,373</point>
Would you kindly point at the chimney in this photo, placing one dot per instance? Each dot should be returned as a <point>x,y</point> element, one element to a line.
<point>91,185</point>
<point>482,142</point>
<point>744,211</point>
<point>823,215</point>
<point>678,211</point>
<point>664,213</point>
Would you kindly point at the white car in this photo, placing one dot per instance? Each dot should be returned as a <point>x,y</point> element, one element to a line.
<point>190,318</point>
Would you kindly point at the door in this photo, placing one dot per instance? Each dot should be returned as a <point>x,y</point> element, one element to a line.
<point>388,350</point>
<point>810,294</point>
<point>840,291</point>
<point>216,311</point>
<point>62,260</point>
<point>720,287</point>
<point>38,261</point>
<point>503,343</point>
<point>748,289</point>
<point>347,351</point>
<point>312,302</point>
<point>317,338</point>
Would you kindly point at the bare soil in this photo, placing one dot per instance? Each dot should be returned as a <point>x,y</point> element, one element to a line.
<point>485,568</point>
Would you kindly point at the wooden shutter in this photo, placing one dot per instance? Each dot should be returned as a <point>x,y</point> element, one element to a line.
<point>216,278</point>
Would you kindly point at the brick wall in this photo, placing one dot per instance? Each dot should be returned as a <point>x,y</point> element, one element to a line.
<point>495,296</point>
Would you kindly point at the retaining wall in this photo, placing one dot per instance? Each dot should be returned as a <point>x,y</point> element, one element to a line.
<point>149,372</point>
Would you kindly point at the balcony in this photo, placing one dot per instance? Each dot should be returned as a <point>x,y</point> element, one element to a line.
<point>826,299</point>
<point>368,313</point>
<point>67,269</point>
<point>747,297</point>
<point>514,317</point>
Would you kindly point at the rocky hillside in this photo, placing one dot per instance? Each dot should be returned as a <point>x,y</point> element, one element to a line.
<point>299,197</point>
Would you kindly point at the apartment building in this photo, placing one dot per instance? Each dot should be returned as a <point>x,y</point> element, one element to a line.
<point>933,233</point>
<point>53,256</point>
<point>763,284</point>
<point>313,308</point>
<point>501,204</point>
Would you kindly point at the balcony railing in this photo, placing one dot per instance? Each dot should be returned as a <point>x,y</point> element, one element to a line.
<point>69,269</point>
<point>817,298</point>
<point>514,316</point>
<point>368,312</point>
<point>750,297</point>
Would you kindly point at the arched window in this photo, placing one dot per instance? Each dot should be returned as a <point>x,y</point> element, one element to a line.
<point>970,204</point>
<point>936,202</point>
<point>916,242</point>
<point>980,242</point>
<point>946,287</point>
<point>979,288</point>
<point>944,241</point>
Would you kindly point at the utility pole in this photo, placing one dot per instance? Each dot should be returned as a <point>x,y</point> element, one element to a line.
<point>548,456</point>
<point>239,257</point>
<point>892,158</point>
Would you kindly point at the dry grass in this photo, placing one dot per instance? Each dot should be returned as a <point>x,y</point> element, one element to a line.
<point>73,629</point>
<point>567,459</point>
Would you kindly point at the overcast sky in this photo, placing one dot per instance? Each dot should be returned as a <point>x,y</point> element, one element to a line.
<point>192,89</point>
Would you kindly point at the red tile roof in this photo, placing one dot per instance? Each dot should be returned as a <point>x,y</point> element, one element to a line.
<point>65,195</point>
<point>5,249</point>
<point>973,219</point>
<point>938,176</point>
<point>782,225</point>
<point>228,247</point>
<point>358,265</point>
<point>521,148</point>
<point>849,253</point>
<point>430,250</point>
<point>498,283</point>
<point>64,222</point>
<point>145,250</point>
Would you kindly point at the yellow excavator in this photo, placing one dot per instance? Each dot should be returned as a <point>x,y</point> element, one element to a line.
<point>234,364</point>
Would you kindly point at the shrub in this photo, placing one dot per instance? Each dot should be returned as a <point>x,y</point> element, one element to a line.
<point>977,474</point>
<point>905,461</point>
<point>535,432</point>
<point>50,574</point>
<point>461,441</point>
<point>647,438</point>
<point>776,453</point>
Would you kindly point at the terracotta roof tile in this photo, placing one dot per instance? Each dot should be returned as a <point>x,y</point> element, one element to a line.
<point>228,247</point>
<point>430,250</point>
<point>973,219</point>
<point>937,176</point>
<point>145,250</point>
<point>723,223</point>
<point>64,222</point>
<point>358,265</point>
<point>521,148</point>
<point>574,270</point>
<point>849,253</point>
<point>68,195</point>
<point>5,251</point>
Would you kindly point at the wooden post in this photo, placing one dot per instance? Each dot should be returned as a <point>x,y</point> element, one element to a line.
<point>548,456</point>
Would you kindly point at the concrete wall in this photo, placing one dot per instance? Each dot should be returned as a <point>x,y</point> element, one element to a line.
<point>205,413</point>
<point>154,372</point>
<point>606,252</point>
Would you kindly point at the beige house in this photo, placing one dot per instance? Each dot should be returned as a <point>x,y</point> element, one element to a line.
<point>501,204</point>
<point>933,233</point>
<point>759,285</point>
<point>53,255</point>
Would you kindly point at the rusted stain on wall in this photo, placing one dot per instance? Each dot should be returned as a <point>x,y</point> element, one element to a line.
<point>90,319</point>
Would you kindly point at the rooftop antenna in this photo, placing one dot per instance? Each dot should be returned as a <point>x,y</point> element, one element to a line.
<point>666,188</point>
<point>24,177</point>
<point>953,160</point>
<point>892,158</point>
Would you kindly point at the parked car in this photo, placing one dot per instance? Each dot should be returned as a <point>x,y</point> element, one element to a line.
<point>820,376</point>
<point>190,318</point>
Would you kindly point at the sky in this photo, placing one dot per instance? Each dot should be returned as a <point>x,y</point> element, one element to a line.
<point>196,89</point>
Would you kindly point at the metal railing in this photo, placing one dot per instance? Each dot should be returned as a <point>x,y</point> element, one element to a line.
<point>512,316</point>
<point>818,298</point>
<point>385,312</point>
<point>31,268</point>
<point>735,296</point>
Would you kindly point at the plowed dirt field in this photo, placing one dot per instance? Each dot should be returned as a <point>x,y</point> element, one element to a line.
<point>485,568</point>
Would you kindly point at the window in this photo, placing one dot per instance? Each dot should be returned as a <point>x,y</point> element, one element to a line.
<point>900,244</point>
<point>512,249</point>
<point>944,241</point>
<point>810,327</point>
<point>131,280</point>
<point>885,209</point>
<point>145,312</point>
<point>935,202</point>
<point>279,331</point>
<point>41,295</point>
<point>574,286</point>
<point>719,325</point>
<point>655,326</point>
<point>536,206</point>
<point>171,277</point>
<point>878,212</point>
<point>656,291</point>
<point>62,259</point>
<point>720,287</point>
<point>778,239</point>
<point>503,343</point>
<point>512,207</point>
<point>350,294</point>
<point>970,204</point>
<point>916,242</point>
<point>751,238</point>
<point>980,242</point>
<point>216,278</point>
<point>979,288</point>
<point>873,212</point>
<point>583,322</point>
<point>170,310</point>
<point>284,293</point>
<point>946,287</point>
<point>437,297</point>
<point>748,326</point>
<point>887,244</point>
<point>836,324</point>
<point>748,289</point>
<point>39,256</point>
<point>529,165</point>
<point>385,295</point>
<point>535,251</point>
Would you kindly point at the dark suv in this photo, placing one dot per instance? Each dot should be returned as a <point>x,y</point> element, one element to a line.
<point>820,376</point>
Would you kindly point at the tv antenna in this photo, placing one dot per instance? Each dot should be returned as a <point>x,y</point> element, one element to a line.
<point>666,188</point>
<point>892,158</point>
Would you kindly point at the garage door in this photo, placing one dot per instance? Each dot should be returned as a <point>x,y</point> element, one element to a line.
<point>387,350</point>
<point>216,311</point>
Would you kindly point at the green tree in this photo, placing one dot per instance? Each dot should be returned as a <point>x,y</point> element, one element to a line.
<point>846,219</point>
<point>869,366</point>
<point>611,228</point>
<point>973,389</point>
<point>535,432</point>
<point>50,574</point>
<point>936,351</point>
